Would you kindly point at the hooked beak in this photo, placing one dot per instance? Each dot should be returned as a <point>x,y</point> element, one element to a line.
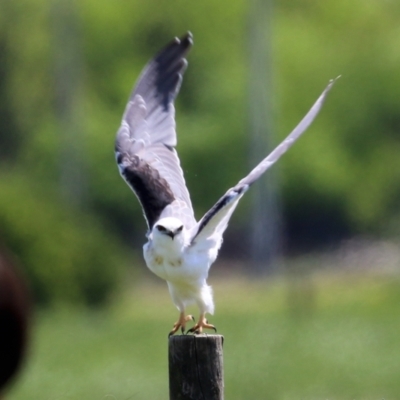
<point>171,234</point>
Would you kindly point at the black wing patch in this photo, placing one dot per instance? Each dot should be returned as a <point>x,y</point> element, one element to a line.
<point>237,191</point>
<point>170,66</point>
<point>156,89</point>
<point>152,191</point>
<point>227,198</point>
<point>165,73</point>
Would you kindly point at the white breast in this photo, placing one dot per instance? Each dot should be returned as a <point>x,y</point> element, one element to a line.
<point>186,267</point>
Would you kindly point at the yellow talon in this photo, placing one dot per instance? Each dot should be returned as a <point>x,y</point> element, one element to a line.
<point>202,324</point>
<point>181,323</point>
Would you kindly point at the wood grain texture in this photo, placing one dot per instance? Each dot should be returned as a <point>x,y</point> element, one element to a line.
<point>196,367</point>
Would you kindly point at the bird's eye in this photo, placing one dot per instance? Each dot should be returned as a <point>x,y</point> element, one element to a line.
<point>180,229</point>
<point>160,228</point>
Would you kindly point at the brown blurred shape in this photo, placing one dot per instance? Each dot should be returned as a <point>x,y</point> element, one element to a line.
<point>15,312</point>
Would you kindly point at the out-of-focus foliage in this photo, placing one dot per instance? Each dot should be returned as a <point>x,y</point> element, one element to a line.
<point>66,256</point>
<point>350,162</point>
<point>343,176</point>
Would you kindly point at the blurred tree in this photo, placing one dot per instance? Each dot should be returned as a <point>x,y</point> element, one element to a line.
<point>265,236</point>
<point>66,255</point>
<point>341,179</point>
<point>8,143</point>
<point>68,93</point>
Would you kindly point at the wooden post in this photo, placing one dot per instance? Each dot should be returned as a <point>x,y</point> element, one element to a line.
<point>196,367</point>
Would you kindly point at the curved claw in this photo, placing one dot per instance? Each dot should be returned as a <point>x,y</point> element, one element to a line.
<point>211,326</point>
<point>202,324</point>
<point>181,323</point>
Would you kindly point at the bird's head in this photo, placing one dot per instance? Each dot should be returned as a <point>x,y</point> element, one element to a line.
<point>168,228</point>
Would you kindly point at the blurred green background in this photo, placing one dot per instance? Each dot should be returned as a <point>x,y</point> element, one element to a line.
<point>324,325</point>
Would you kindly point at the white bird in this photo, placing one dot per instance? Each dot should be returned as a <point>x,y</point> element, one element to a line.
<point>179,249</point>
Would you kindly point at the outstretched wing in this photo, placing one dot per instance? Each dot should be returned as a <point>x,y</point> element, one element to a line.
<point>146,138</point>
<point>213,224</point>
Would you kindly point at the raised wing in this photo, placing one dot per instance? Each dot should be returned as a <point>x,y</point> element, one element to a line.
<point>214,222</point>
<point>146,138</point>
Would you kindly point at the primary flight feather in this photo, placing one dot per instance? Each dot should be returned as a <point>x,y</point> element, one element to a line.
<point>179,250</point>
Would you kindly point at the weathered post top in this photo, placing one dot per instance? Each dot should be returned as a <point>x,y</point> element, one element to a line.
<point>196,367</point>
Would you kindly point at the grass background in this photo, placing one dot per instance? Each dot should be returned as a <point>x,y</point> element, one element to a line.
<point>320,336</point>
